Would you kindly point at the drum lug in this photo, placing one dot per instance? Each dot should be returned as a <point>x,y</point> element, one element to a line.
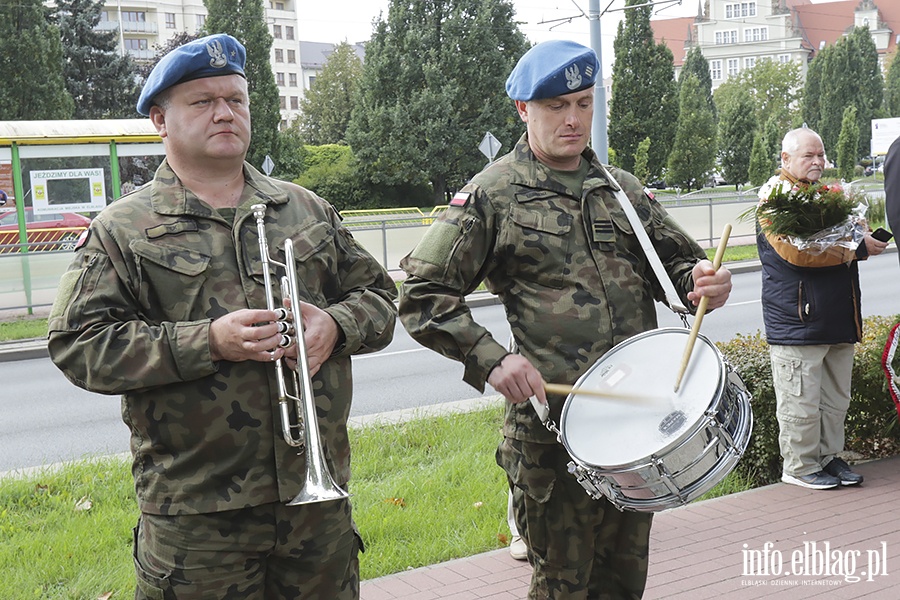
<point>595,489</point>
<point>667,479</point>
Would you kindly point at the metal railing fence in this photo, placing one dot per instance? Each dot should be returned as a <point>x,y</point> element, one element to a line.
<point>29,280</point>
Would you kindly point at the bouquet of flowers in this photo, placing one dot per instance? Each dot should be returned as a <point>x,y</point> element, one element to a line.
<point>812,216</point>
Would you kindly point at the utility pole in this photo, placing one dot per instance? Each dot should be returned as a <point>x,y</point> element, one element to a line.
<point>599,140</point>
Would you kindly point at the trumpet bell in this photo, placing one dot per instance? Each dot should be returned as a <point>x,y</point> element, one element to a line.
<point>312,493</point>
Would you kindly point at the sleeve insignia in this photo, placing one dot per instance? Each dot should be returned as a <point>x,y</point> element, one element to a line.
<point>83,238</point>
<point>461,199</point>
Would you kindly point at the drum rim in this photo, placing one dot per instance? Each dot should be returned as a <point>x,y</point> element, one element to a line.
<point>689,432</point>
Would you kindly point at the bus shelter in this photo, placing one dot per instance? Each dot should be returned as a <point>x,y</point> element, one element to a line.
<point>56,176</point>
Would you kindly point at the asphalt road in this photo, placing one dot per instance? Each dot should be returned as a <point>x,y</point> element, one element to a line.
<point>45,419</point>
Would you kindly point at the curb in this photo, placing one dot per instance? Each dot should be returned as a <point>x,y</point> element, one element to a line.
<point>23,350</point>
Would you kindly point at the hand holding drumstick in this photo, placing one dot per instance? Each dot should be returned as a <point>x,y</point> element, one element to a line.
<point>705,298</point>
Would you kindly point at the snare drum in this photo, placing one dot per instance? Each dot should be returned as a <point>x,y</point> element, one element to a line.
<point>646,447</point>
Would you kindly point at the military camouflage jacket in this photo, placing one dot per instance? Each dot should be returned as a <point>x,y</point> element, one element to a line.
<point>132,317</point>
<point>565,264</point>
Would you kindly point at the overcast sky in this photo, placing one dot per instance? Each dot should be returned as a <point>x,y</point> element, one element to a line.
<point>335,21</point>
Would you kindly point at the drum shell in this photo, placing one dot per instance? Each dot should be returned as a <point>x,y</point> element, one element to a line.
<point>686,462</point>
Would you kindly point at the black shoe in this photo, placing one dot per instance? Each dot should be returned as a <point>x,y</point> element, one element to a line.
<point>814,481</point>
<point>838,468</point>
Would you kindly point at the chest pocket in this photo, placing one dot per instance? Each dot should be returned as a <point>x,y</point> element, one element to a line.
<point>170,281</point>
<point>609,225</point>
<point>539,245</point>
<point>315,259</point>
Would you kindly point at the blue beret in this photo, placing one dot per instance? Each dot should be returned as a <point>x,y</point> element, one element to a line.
<point>552,69</point>
<point>211,56</point>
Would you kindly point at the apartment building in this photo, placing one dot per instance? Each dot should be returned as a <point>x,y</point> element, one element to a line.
<point>734,34</point>
<point>143,24</point>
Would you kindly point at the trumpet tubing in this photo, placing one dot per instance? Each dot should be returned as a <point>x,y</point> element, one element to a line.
<point>296,388</point>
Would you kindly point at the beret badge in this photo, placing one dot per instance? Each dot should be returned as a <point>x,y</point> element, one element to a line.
<point>217,54</point>
<point>573,77</point>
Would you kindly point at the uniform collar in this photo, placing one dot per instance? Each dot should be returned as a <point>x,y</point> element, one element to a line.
<point>170,197</point>
<point>538,175</point>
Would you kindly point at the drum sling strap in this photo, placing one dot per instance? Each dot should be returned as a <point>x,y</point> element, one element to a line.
<point>672,299</point>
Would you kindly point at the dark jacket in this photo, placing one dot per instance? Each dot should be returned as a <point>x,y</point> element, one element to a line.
<point>804,306</point>
<point>892,187</point>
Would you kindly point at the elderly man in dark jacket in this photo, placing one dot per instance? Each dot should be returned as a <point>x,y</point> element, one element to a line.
<point>811,310</point>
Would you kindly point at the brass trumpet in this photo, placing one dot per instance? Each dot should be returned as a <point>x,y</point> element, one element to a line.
<point>318,485</point>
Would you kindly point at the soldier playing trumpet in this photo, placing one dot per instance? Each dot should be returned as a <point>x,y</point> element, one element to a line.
<point>165,303</point>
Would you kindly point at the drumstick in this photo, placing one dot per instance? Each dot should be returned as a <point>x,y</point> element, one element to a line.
<point>565,390</point>
<point>701,308</point>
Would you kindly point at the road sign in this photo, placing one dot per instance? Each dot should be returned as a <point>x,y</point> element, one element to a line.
<point>489,146</point>
<point>268,165</point>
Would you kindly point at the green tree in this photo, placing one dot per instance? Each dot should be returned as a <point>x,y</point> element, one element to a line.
<point>100,80</point>
<point>737,126</point>
<point>847,144</point>
<point>773,86</point>
<point>693,155</point>
<point>812,89</point>
<point>853,76</point>
<point>695,63</point>
<point>760,165</point>
<point>772,133</point>
<point>433,84</point>
<point>641,157</point>
<point>866,70</point>
<point>326,107</point>
<point>290,155</point>
<point>644,93</point>
<point>892,86</point>
<point>31,64</point>
<point>246,21</point>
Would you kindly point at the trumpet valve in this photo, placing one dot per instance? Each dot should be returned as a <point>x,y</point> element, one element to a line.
<point>281,314</point>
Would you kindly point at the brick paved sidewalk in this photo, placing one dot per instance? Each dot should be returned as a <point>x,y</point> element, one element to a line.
<point>700,551</point>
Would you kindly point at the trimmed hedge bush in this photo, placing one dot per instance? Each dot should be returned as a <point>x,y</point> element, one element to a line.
<point>871,427</point>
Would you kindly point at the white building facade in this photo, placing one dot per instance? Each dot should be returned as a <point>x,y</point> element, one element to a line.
<point>144,24</point>
<point>734,35</point>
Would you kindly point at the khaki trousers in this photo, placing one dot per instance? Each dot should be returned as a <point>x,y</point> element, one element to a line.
<point>812,389</point>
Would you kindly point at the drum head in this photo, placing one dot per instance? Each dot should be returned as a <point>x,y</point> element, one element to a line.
<point>650,416</point>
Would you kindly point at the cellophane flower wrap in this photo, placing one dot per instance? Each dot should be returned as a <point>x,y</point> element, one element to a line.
<point>812,217</point>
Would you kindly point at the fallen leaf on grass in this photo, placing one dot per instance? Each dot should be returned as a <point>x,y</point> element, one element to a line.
<point>84,504</point>
<point>478,504</point>
<point>397,502</point>
<point>105,596</point>
<point>503,539</point>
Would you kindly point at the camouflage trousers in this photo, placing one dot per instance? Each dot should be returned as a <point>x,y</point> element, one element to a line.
<point>264,552</point>
<point>579,548</point>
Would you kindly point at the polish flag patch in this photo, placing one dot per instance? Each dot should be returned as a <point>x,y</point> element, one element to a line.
<point>461,199</point>
<point>83,238</point>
